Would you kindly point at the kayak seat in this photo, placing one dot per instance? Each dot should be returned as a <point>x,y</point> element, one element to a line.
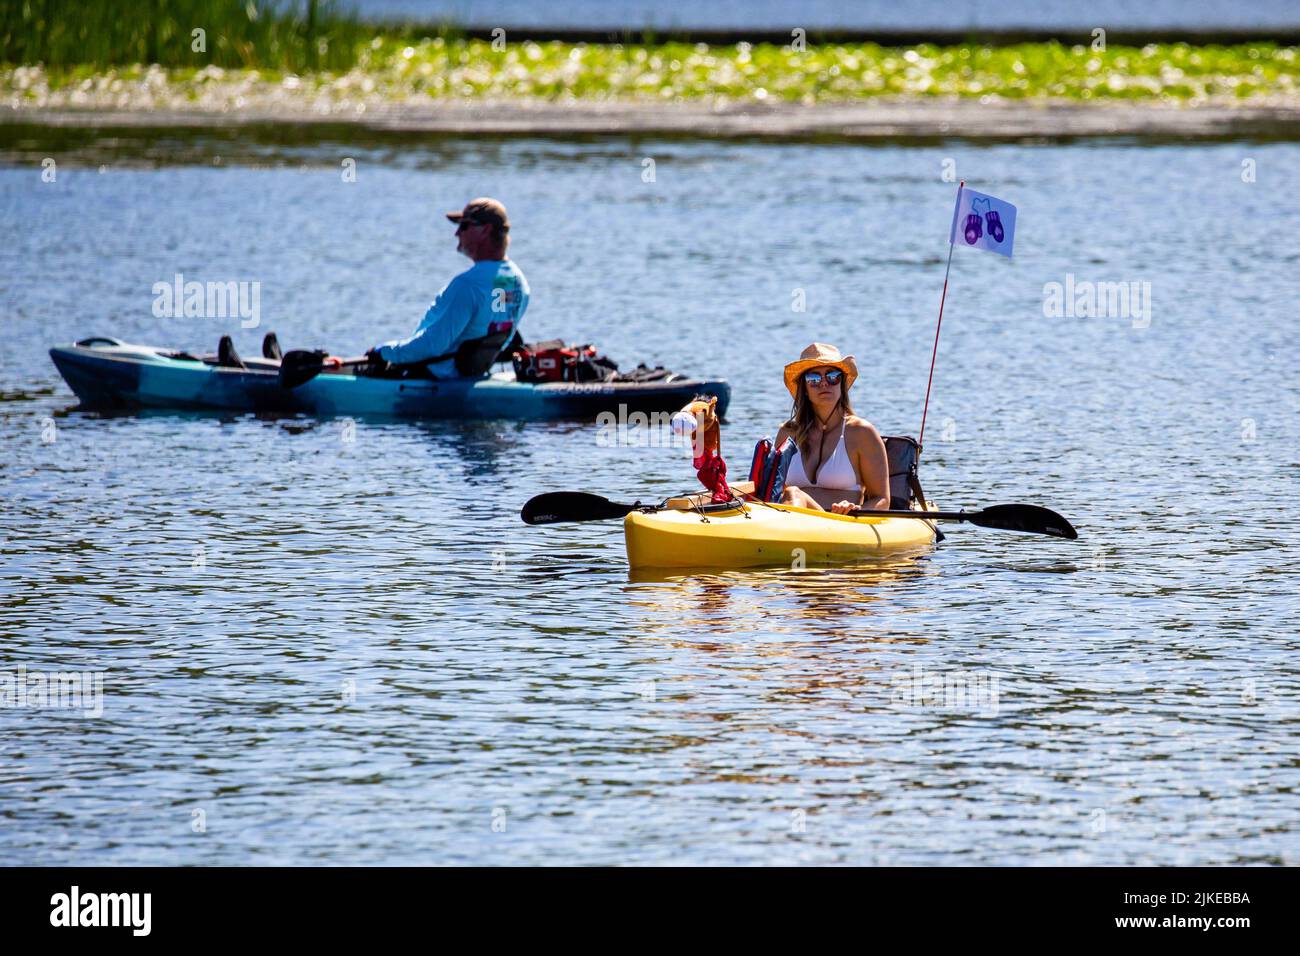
<point>904,483</point>
<point>515,343</point>
<point>475,357</point>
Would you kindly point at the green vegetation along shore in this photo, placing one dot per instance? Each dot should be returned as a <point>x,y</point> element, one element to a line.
<point>303,35</point>
<point>60,55</point>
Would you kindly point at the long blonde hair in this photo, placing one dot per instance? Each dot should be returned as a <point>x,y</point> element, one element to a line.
<point>803,416</point>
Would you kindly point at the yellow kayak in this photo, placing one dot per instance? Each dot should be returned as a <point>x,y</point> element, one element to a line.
<point>758,535</point>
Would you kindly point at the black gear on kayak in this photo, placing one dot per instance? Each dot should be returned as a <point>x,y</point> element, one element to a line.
<point>271,347</point>
<point>557,361</point>
<point>904,453</point>
<point>643,373</point>
<point>227,357</point>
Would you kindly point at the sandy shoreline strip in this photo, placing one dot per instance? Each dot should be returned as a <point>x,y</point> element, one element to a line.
<point>877,119</point>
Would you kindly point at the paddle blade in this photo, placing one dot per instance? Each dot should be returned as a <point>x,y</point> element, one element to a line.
<point>1030,519</point>
<point>559,506</point>
<point>299,367</point>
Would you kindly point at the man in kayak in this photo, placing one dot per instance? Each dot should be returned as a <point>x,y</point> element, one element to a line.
<point>840,462</point>
<point>477,313</point>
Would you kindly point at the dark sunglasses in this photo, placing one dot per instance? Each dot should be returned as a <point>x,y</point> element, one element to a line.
<point>465,224</point>
<point>815,378</point>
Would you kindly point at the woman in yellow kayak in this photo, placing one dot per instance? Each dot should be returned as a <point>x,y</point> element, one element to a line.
<point>840,463</point>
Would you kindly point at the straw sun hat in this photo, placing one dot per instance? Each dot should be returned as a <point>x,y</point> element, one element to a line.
<point>815,355</point>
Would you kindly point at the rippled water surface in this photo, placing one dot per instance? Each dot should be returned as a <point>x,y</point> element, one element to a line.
<point>322,644</point>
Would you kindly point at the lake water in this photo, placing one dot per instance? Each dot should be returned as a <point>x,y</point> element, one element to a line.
<point>324,641</point>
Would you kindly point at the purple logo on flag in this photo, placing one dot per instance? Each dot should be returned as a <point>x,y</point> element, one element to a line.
<point>984,222</point>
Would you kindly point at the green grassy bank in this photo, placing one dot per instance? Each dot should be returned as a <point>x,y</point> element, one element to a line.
<point>294,36</point>
<point>52,45</point>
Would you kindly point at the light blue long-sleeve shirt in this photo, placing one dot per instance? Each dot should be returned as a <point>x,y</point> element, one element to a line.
<point>490,296</point>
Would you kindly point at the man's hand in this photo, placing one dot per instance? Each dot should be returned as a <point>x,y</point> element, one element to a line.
<point>376,364</point>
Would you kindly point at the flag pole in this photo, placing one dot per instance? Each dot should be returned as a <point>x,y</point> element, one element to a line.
<point>952,235</point>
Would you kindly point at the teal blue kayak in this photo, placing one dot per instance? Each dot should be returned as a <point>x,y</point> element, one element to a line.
<point>107,373</point>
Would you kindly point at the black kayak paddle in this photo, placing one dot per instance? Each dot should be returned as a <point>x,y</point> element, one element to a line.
<point>300,366</point>
<point>1031,519</point>
<point>558,506</point>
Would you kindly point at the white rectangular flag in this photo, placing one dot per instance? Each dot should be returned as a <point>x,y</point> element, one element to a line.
<point>983,221</point>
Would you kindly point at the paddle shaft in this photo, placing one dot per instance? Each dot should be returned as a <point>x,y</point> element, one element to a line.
<point>1030,519</point>
<point>346,362</point>
<point>923,515</point>
<point>295,371</point>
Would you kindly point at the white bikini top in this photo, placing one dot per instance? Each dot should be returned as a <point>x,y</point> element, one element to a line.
<point>835,472</point>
